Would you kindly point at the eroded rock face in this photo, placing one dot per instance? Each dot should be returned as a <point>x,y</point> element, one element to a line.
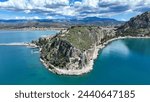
<point>62,54</point>
<point>136,25</point>
<point>74,48</point>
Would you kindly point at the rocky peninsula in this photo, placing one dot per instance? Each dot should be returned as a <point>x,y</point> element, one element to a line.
<point>72,51</point>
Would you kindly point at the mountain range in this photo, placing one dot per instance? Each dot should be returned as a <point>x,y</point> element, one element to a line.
<point>57,23</point>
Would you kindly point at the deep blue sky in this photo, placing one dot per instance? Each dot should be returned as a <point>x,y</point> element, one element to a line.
<point>53,9</point>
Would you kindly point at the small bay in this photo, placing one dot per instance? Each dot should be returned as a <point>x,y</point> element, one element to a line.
<point>122,62</point>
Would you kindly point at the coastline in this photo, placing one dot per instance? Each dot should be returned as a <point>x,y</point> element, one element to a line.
<point>89,66</point>
<point>33,29</point>
<point>66,72</point>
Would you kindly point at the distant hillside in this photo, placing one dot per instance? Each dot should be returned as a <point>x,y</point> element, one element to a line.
<point>18,24</point>
<point>99,21</point>
<point>138,25</point>
<point>57,23</point>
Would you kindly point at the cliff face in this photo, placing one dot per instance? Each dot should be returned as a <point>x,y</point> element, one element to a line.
<point>74,48</point>
<point>139,25</point>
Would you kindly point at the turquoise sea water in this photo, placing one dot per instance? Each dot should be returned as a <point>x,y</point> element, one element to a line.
<point>22,36</point>
<point>121,62</point>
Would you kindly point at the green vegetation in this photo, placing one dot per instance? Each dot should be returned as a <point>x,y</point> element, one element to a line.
<point>81,37</point>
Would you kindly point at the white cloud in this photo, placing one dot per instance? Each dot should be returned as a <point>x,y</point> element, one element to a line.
<point>49,17</point>
<point>17,17</point>
<point>91,3</point>
<point>43,3</point>
<point>67,10</point>
<point>77,4</point>
<point>123,19</point>
<point>24,17</point>
<point>35,17</point>
<point>27,11</point>
<point>14,4</point>
<point>31,4</point>
<point>83,8</point>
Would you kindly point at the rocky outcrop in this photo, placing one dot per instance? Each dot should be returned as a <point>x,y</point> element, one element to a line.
<point>139,25</point>
<point>74,49</point>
